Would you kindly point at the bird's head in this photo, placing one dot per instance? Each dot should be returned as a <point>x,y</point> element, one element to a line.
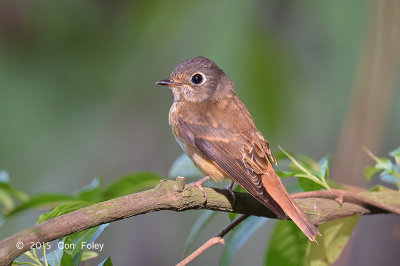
<point>198,79</point>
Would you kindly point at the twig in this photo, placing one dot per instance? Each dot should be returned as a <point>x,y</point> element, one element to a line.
<point>177,196</point>
<point>347,196</point>
<point>217,239</point>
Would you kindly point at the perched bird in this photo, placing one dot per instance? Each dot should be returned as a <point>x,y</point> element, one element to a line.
<point>215,129</point>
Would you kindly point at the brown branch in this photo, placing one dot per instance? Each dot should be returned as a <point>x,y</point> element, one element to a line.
<point>217,239</point>
<point>177,196</point>
<point>346,196</point>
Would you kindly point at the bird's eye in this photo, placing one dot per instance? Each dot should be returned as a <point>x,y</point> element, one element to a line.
<point>197,78</point>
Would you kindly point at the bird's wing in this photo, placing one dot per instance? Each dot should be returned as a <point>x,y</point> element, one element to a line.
<point>244,156</point>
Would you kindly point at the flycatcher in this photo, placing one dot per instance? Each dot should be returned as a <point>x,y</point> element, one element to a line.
<point>215,129</point>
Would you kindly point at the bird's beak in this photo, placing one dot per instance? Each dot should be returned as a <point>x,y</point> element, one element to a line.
<point>169,83</point>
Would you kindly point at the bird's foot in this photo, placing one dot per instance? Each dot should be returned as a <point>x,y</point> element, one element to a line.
<point>229,188</point>
<point>199,185</point>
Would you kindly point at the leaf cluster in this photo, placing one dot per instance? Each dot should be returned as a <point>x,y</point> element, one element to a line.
<point>73,249</point>
<point>389,171</point>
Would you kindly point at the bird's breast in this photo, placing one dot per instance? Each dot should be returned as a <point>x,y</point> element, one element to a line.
<point>206,166</point>
<point>173,111</point>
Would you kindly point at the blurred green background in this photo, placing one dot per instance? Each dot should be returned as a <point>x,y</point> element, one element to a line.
<point>78,100</point>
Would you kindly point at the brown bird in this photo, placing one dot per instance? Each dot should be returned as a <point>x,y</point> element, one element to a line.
<point>215,129</point>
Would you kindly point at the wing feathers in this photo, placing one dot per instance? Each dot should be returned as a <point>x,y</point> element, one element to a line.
<point>246,157</point>
<point>225,154</point>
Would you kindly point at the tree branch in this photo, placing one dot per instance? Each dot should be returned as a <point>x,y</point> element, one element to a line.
<point>177,196</point>
<point>217,239</point>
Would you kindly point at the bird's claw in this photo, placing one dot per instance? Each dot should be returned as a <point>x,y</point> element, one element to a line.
<point>229,188</point>
<point>199,183</point>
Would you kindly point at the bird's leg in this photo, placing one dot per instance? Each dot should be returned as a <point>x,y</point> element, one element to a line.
<point>199,185</point>
<point>229,188</point>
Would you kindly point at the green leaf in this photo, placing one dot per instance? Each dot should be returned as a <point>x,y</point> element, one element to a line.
<point>88,255</point>
<point>15,262</point>
<point>378,188</point>
<point>384,164</point>
<point>287,245</point>
<point>299,167</point>
<point>54,257</point>
<point>279,155</point>
<point>75,245</point>
<point>389,177</point>
<point>239,236</point>
<point>62,209</point>
<point>370,154</point>
<point>283,174</point>
<point>5,185</point>
<point>309,163</point>
<point>183,166</point>
<point>106,262</point>
<point>335,233</point>
<point>6,200</point>
<point>67,258</point>
<point>324,168</point>
<point>293,188</point>
<point>396,155</point>
<point>198,226</point>
<point>369,171</point>
<point>239,188</point>
<point>309,185</point>
<point>12,191</point>
<point>307,169</point>
<point>131,184</point>
<point>82,239</point>
<point>390,172</point>
<point>71,250</point>
<point>49,200</point>
<point>232,216</point>
<point>91,192</point>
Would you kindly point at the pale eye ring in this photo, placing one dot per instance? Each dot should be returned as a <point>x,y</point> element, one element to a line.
<point>198,79</point>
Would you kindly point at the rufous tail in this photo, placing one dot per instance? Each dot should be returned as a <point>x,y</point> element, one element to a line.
<point>277,191</point>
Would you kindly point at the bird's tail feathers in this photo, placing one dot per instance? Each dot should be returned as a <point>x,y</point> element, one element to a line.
<point>277,191</point>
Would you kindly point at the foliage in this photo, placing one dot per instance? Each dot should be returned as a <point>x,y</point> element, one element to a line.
<point>71,249</point>
<point>9,196</point>
<point>287,245</point>
<point>389,171</point>
<point>89,194</point>
<point>312,175</point>
<point>336,234</point>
